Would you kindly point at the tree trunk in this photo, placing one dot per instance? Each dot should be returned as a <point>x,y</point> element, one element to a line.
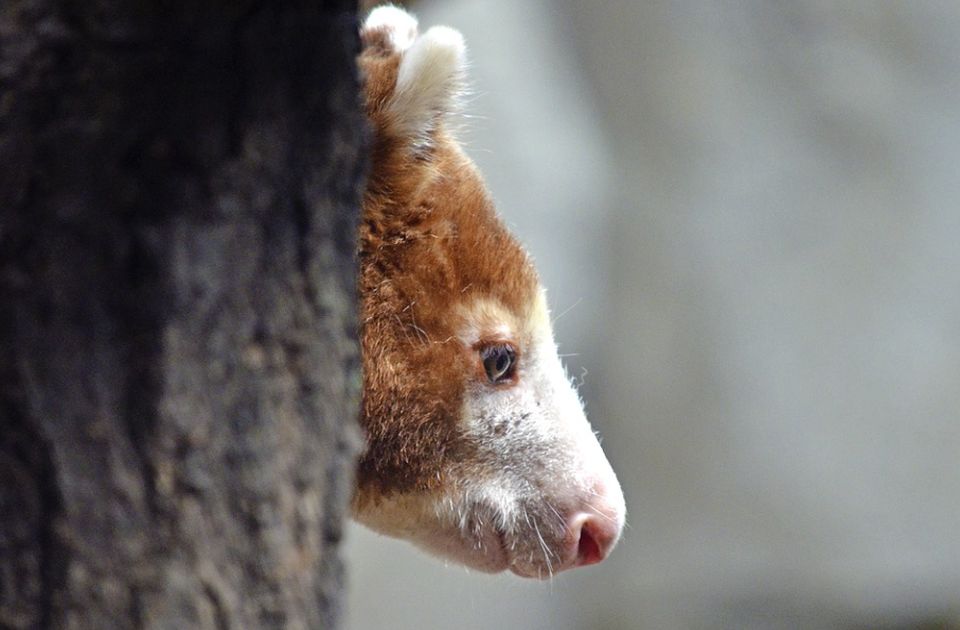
<point>179,189</point>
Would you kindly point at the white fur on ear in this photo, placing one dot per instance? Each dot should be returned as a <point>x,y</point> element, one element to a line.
<point>400,26</point>
<point>429,82</point>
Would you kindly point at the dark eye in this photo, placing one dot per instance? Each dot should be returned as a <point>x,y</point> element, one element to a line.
<point>499,362</point>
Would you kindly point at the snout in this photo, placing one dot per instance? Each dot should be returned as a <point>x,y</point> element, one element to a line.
<point>590,531</point>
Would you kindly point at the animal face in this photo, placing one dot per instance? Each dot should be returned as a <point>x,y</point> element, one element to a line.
<point>477,444</point>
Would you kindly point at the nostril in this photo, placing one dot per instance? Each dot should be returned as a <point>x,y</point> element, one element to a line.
<point>588,550</point>
<point>595,539</point>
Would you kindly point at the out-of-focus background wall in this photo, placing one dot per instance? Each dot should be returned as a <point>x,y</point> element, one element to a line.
<point>748,215</point>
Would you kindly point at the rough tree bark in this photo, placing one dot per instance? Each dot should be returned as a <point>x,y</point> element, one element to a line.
<point>179,187</point>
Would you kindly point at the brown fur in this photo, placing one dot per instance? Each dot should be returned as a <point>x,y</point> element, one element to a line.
<point>430,241</point>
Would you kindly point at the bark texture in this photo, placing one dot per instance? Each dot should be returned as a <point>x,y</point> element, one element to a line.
<point>179,189</point>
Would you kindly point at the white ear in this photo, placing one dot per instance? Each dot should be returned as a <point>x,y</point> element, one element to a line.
<point>429,82</point>
<point>399,26</point>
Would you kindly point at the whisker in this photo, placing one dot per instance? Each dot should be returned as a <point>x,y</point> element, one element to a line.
<point>424,337</point>
<point>546,551</point>
<point>404,329</point>
<point>572,306</point>
<point>601,514</point>
<point>583,379</point>
<point>559,518</point>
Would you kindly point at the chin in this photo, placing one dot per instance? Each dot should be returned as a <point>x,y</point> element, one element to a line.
<point>485,552</point>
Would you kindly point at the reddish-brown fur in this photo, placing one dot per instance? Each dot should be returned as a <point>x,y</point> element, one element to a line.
<point>430,241</point>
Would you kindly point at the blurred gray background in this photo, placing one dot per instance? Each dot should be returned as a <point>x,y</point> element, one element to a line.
<point>748,218</point>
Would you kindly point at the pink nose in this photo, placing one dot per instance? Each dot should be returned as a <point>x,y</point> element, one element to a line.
<point>595,536</point>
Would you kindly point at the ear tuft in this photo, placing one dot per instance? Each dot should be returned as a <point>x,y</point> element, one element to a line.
<point>389,28</point>
<point>429,81</point>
